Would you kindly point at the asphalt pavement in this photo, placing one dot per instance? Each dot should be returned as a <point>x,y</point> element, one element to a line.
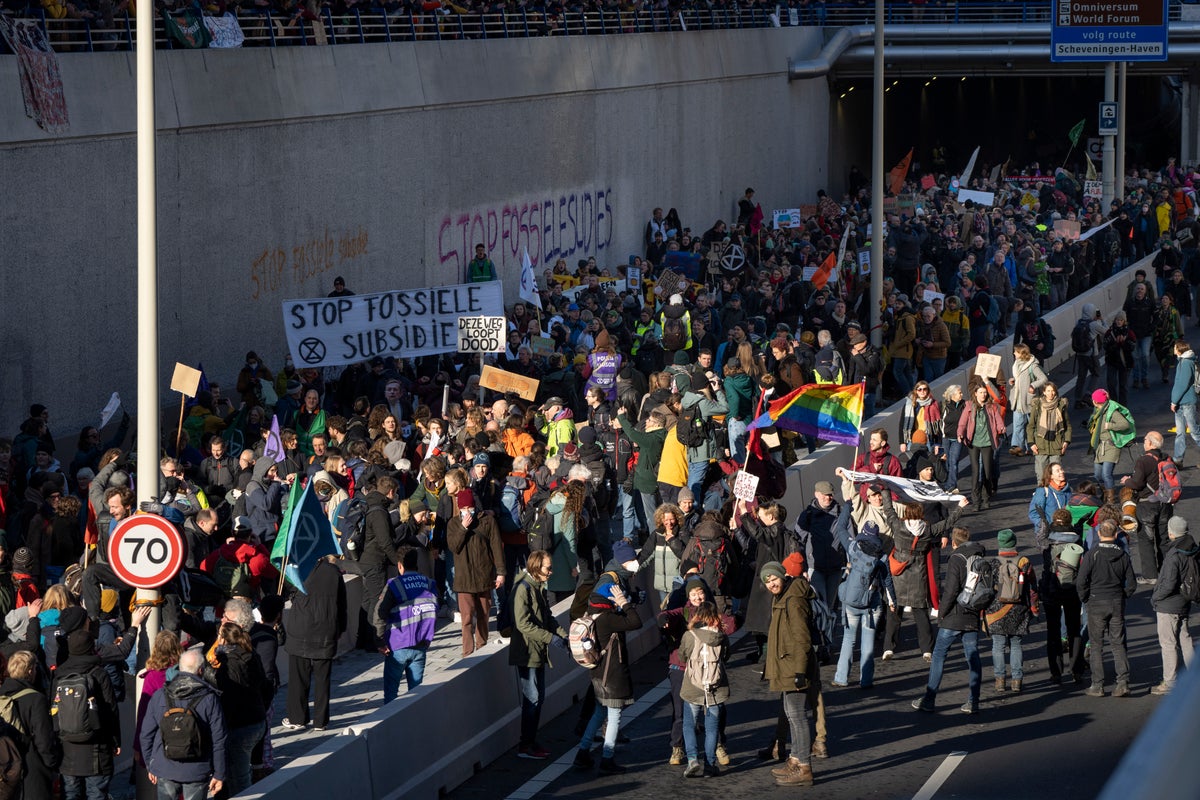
<point>1047,740</point>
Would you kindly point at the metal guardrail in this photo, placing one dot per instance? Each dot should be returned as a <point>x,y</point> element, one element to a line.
<point>376,24</point>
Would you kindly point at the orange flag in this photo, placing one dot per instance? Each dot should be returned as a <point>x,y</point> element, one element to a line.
<point>821,276</point>
<point>900,172</point>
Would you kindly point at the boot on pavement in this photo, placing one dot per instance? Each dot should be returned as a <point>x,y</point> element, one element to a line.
<point>789,766</point>
<point>801,776</point>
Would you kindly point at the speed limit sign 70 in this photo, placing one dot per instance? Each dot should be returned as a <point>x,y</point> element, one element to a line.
<point>145,551</point>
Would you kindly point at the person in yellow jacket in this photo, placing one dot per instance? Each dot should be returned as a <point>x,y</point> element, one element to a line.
<point>673,468</point>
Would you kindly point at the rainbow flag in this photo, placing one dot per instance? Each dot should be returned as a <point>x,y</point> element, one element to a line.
<point>826,411</point>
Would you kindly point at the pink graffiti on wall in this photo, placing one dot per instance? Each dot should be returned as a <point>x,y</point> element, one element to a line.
<point>572,224</point>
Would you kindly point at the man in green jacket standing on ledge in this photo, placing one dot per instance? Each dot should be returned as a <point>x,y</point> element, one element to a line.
<point>481,268</point>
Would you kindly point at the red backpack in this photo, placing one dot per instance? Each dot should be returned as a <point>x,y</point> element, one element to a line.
<point>1170,489</point>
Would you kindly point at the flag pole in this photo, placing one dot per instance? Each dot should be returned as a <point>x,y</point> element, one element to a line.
<point>858,444</point>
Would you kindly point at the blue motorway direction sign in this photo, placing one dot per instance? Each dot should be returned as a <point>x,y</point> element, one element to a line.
<point>1109,30</point>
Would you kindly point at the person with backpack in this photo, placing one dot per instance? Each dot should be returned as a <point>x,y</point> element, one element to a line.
<point>240,566</point>
<point>958,620</point>
<point>1111,427</point>
<point>534,629</point>
<point>1183,399</point>
<point>613,614</point>
<point>1155,504</point>
<point>1008,616</point>
<point>865,588</point>
<point>183,737</point>
<point>675,326</point>
<point>245,694</point>
<point>768,539</point>
<point>1177,589</point>
<point>86,716</point>
<point>695,430</point>
<point>1105,581</point>
<point>704,649</point>
<point>1085,344</point>
<point>1060,597</point>
<point>25,708</point>
<point>715,556</point>
<point>648,446</point>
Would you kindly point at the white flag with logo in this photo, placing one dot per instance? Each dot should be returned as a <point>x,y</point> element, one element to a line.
<point>529,291</point>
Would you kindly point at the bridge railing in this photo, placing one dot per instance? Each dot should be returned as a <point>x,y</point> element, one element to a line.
<point>363,24</point>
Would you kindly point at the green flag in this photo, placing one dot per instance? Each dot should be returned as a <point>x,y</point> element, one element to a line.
<point>1076,132</point>
<point>280,549</point>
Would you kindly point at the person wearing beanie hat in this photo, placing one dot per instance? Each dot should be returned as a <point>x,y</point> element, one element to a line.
<point>1112,428</point>
<point>790,666</point>
<point>1171,607</point>
<point>1009,615</point>
<point>1105,582</point>
<point>674,623</point>
<point>955,623</point>
<point>474,539</point>
<point>614,615</point>
<point>87,758</point>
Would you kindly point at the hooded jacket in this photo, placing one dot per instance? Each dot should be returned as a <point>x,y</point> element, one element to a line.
<point>711,450</point>
<point>1105,574</point>
<point>690,691</point>
<point>182,692</point>
<point>478,553</point>
<point>1167,598</point>
<point>952,616</point>
<point>789,640</point>
<point>263,501</point>
<point>534,625</point>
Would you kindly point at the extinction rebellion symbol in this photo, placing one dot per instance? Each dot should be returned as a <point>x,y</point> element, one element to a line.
<point>312,350</point>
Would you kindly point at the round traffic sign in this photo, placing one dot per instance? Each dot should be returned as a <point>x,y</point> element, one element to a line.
<point>145,551</point>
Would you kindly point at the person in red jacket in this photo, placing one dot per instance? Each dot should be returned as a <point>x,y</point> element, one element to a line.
<point>980,429</point>
<point>878,459</point>
<point>239,549</point>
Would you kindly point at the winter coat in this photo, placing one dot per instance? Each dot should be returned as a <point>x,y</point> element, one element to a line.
<point>649,445</point>
<point>317,618</point>
<point>966,423</point>
<point>182,692</point>
<point>814,532</point>
<point>912,541</point>
<point>1045,501</point>
<point>1182,393</point>
<point>1062,432</point>
<point>740,396</point>
<point>478,554</point>
<point>1105,574</point>
<point>95,756</point>
<point>1027,375</point>
<point>611,678</point>
<point>564,557</point>
<point>244,689</point>
<point>1104,422</point>
<point>789,639</point>
<point>951,615</point>
<point>40,747</point>
<point>667,558</point>
<point>379,552</point>
<point>712,449</point>
<point>690,691</point>
<point>905,332</point>
<point>534,626</point>
<point>1167,598</point>
<point>1012,619</point>
<point>263,501</point>
<point>771,543</point>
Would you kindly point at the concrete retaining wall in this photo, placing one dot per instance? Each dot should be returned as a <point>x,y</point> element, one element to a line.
<point>430,740</point>
<point>1109,296</point>
<point>279,169</point>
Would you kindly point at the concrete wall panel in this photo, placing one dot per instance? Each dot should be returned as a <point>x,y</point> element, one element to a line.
<point>281,168</point>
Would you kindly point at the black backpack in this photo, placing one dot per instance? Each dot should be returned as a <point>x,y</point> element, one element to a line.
<point>1081,337</point>
<point>674,334</point>
<point>1189,578</point>
<point>539,524</point>
<point>182,731</point>
<point>351,524</point>
<point>73,708</point>
<point>693,429</point>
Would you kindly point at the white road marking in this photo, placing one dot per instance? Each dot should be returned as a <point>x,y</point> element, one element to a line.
<point>939,776</point>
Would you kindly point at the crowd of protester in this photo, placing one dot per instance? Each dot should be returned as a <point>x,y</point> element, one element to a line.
<point>473,504</point>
